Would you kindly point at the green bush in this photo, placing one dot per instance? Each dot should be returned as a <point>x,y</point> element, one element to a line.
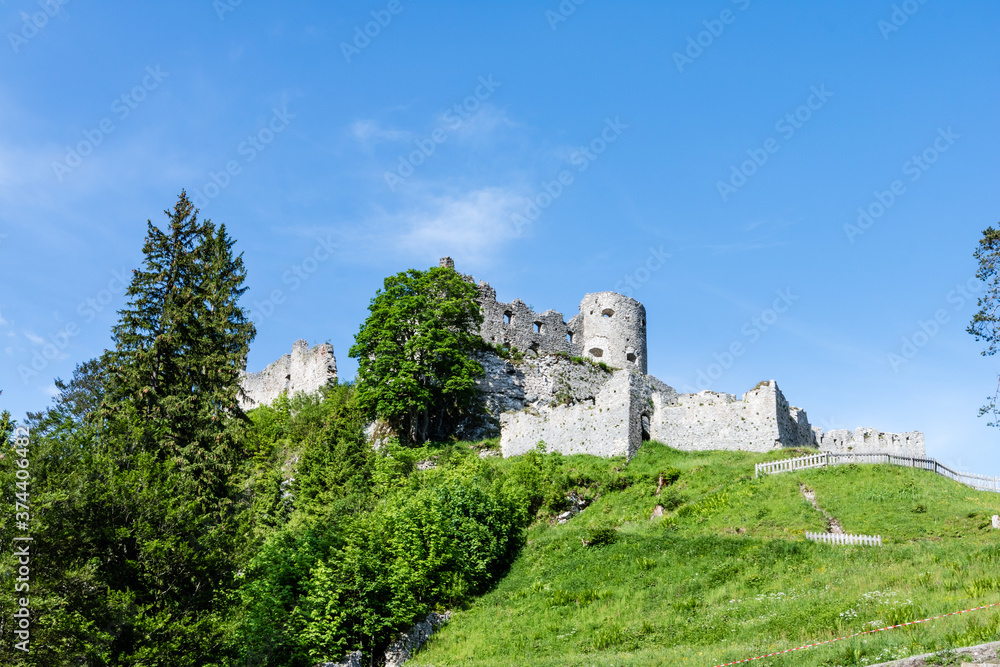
<point>600,537</point>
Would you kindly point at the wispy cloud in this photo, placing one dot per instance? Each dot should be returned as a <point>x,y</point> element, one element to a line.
<point>370,132</point>
<point>33,337</point>
<point>474,224</point>
<point>743,246</point>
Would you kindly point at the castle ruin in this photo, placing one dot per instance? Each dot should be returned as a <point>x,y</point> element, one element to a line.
<point>582,387</point>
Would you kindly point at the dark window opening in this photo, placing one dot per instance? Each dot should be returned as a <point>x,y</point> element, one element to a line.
<point>630,357</point>
<point>607,312</point>
<point>596,352</point>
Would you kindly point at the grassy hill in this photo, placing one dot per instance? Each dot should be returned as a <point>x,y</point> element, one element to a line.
<point>726,573</point>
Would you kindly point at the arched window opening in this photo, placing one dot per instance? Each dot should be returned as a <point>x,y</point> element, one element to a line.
<point>607,312</point>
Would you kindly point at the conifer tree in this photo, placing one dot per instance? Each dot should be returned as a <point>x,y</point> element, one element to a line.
<point>181,343</point>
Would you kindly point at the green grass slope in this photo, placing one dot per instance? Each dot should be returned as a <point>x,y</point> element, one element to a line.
<point>727,574</point>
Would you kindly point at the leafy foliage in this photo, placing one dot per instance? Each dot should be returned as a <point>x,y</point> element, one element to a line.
<point>414,352</point>
<point>985,325</point>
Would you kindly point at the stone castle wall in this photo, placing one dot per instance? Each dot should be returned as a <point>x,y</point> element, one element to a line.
<point>873,441</point>
<point>576,407</point>
<point>304,369</point>
<point>759,421</point>
<point>609,327</point>
<point>581,409</point>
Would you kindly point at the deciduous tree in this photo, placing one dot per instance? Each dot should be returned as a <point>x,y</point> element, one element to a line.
<point>416,369</point>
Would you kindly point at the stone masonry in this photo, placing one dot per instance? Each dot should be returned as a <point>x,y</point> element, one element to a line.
<point>758,421</point>
<point>872,441</point>
<point>582,388</point>
<point>609,327</point>
<point>303,370</point>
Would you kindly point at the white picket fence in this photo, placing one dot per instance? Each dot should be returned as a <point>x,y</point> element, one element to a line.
<point>978,482</point>
<point>842,538</point>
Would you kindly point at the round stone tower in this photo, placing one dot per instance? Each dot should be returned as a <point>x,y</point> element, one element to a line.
<point>614,330</point>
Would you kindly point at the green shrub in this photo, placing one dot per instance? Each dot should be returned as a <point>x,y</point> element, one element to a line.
<point>600,537</point>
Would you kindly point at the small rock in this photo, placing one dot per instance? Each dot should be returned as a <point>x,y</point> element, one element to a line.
<point>657,511</point>
<point>996,521</point>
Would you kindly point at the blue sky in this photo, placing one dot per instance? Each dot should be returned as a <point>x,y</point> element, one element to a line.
<point>712,159</point>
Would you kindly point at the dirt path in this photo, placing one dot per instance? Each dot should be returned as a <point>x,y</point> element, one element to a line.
<point>833,526</point>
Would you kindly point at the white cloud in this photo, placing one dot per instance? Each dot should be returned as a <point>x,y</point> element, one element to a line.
<point>480,126</point>
<point>472,225</point>
<point>34,338</point>
<point>369,132</point>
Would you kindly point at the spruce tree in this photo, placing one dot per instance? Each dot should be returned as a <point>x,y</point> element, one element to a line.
<point>169,446</point>
<point>181,343</point>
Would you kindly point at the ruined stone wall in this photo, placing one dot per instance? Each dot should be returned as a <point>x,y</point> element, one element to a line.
<point>873,441</point>
<point>515,325</point>
<point>576,408</point>
<point>609,327</point>
<point>303,370</point>
<point>759,421</point>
